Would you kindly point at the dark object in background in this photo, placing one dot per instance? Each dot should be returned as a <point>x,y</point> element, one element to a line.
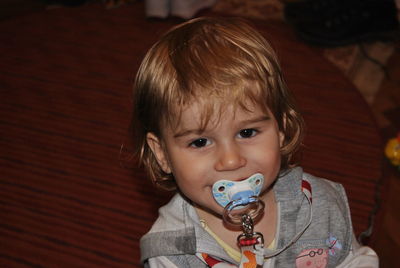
<point>331,23</point>
<point>70,3</point>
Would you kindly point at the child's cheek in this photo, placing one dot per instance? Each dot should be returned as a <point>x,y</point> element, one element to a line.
<point>316,261</point>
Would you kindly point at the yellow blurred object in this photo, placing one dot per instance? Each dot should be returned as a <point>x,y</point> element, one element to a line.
<point>392,150</point>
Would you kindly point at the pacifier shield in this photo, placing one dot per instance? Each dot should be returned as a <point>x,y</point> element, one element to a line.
<point>242,192</point>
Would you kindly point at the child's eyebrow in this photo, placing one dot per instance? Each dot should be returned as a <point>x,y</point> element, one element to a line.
<point>255,120</point>
<point>186,132</point>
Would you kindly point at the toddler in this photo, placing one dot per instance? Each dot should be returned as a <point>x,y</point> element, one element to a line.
<point>214,120</point>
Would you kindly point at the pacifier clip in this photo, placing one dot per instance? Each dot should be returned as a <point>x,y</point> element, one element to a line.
<point>251,245</point>
<point>241,206</point>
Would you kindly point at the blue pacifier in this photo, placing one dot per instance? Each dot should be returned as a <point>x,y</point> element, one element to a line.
<point>238,194</point>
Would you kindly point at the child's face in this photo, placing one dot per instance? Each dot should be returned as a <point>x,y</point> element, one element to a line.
<point>233,147</point>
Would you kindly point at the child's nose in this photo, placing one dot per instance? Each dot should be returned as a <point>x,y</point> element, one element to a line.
<point>229,158</point>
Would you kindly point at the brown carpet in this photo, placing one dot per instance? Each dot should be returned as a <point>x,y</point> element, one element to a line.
<point>65,81</point>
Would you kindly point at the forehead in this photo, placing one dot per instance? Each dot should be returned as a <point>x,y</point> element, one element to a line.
<point>209,112</point>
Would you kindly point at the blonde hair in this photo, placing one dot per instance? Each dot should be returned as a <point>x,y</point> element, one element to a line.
<point>209,58</point>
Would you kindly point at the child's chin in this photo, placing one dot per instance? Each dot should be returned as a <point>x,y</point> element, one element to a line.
<point>215,210</point>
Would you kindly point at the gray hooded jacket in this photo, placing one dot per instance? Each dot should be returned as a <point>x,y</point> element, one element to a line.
<point>303,227</point>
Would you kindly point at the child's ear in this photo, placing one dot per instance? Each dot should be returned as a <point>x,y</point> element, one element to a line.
<point>281,138</point>
<point>156,147</point>
<point>281,132</point>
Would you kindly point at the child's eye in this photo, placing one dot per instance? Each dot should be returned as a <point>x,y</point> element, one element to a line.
<point>199,143</point>
<point>247,133</point>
